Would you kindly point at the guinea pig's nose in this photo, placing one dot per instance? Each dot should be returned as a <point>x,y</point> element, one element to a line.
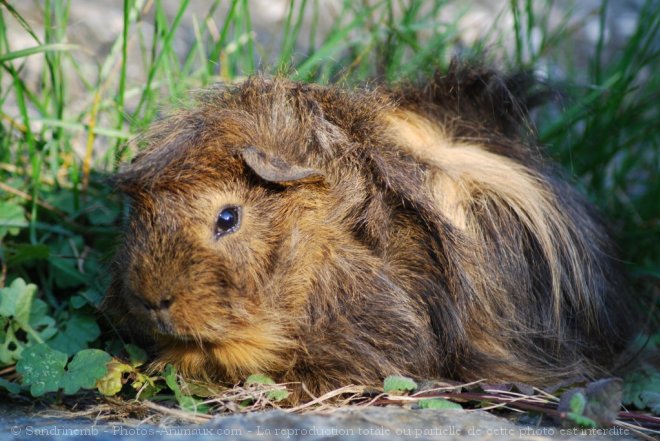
<point>164,322</point>
<point>162,305</point>
<point>165,303</point>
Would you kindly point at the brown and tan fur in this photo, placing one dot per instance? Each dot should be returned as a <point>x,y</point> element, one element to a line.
<point>411,231</point>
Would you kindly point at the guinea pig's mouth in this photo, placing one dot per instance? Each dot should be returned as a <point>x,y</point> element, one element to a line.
<point>173,338</point>
<point>166,332</point>
<point>164,328</point>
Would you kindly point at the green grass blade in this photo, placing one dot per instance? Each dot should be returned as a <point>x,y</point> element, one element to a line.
<point>166,47</point>
<point>21,21</point>
<point>22,53</point>
<point>220,44</point>
<point>332,45</point>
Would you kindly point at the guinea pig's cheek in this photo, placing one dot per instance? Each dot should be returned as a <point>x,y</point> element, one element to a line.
<point>136,307</point>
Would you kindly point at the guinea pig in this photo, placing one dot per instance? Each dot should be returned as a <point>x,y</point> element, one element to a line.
<point>329,237</point>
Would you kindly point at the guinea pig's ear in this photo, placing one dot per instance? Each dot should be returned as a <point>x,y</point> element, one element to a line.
<point>275,169</point>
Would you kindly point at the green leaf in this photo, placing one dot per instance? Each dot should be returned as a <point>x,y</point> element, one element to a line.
<point>186,402</point>
<point>79,330</point>
<point>438,403</point>
<point>190,404</point>
<point>63,200</point>
<point>273,395</point>
<point>66,273</point>
<point>137,355</point>
<point>10,349</point>
<point>16,300</point>
<point>277,394</point>
<point>102,214</point>
<point>65,262</point>
<point>77,302</point>
<point>10,387</point>
<point>573,404</point>
<point>652,401</point>
<point>87,367</point>
<point>577,403</point>
<point>169,374</point>
<point>111,383</point>
<point>637,383</point>
<point>145,385</point>
<point>88,297</point>
<point>397,384</point>
<point>246,403</point>
<point>202,389</point>
<point>21,312</point>
<point>11,214</point>
<point>42,368</point>
<point>581,420</point>
<point>22,253</point>
<point>40,321</point>
<point>258,379</point>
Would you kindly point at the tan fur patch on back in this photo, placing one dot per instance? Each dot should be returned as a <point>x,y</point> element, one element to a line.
<point>462,171</point>
<point>428,143</point>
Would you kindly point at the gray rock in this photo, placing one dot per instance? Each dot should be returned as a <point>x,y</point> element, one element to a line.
<point>349,424</point>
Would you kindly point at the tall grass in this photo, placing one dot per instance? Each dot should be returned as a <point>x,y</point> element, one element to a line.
<point>58,218</point>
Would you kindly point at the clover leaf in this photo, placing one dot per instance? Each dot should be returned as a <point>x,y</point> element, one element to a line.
<point>79,330</point>
<point>87,366</point>
<point>42,368</point>
<point>16,301</point>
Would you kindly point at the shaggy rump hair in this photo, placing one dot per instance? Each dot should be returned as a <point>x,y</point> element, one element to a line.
<point>412,231</point>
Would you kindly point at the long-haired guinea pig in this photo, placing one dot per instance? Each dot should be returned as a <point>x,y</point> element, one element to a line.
<point>333,237</point>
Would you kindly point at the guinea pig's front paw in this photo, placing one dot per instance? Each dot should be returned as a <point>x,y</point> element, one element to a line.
<point>253,351</point>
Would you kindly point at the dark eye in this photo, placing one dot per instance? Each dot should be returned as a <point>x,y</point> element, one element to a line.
<point>228,221</point>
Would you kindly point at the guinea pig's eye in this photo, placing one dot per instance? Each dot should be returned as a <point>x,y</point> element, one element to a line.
<point>228,220</point>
